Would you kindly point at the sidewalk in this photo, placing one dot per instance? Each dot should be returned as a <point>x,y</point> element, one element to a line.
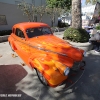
<point>22,80</point>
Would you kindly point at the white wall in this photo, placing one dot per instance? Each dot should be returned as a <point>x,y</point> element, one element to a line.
<point>15,15</point>
<point>36,2</point>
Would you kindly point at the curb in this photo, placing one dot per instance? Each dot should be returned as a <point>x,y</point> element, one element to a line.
<point>4,38</point>
<point>62,29</point>
<point>85,46</point>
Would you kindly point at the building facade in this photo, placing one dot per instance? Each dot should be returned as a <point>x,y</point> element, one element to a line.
<point>91,13</point>
<point>10,14</point>
<point>88,10</point>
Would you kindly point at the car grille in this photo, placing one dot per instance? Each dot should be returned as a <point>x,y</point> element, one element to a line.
<point>76,66</point>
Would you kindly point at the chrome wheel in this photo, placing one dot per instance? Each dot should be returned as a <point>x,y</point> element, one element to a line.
<point>41,78</point>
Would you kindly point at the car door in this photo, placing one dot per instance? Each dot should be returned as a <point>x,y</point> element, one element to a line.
<point>22,47</point>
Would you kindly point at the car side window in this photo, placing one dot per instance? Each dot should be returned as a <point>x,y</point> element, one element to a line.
<point>19,33</point>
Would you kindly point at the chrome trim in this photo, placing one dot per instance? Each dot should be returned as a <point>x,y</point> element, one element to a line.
<point>36,47</point>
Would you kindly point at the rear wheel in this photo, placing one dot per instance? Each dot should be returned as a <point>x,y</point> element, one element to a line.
<point>11,47</point>
<point>41,78</point>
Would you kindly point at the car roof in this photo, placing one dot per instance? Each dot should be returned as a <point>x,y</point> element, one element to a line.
<point>26,25</point>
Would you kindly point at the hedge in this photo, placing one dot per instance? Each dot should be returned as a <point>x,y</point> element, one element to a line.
<point>76,35</point>
<point>5,32</point>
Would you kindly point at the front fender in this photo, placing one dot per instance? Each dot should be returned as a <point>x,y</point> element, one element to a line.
<point>50,70</point>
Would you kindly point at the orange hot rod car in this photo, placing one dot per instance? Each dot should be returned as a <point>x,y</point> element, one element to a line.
<point>52,57</point>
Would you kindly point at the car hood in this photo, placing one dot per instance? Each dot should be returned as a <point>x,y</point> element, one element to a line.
<point>56,45</point>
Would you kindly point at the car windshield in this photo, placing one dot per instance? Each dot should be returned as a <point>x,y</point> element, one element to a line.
<point>32,32</point>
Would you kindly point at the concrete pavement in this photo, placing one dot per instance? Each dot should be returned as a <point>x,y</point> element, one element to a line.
<point>18,79</point>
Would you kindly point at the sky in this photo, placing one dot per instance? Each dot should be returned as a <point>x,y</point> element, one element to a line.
<point>83,2</point>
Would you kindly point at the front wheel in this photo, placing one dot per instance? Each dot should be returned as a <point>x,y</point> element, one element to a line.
<point>41,78</point>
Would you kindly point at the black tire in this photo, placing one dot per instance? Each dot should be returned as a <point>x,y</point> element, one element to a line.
<point>11,47</point>
<point>41,78</point>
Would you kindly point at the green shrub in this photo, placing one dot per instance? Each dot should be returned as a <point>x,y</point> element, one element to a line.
<point>5,32</point>
<point>98,27</point>
<point>76,35</point>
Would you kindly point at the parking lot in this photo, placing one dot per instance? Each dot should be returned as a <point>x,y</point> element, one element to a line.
<point>18,78</point>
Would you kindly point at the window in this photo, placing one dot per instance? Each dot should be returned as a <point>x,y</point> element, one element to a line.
<point>46,30</point>
<point>19,33</point>
<point>3,20</point>
<point>32,32</point>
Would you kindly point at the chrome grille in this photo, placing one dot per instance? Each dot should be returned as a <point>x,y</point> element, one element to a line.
<point>76,66</point>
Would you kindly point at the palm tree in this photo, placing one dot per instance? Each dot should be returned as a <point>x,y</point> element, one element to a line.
<point>75,32</point>
<point>76,14</point>
<point>88,1</point>
<point>92,1</point>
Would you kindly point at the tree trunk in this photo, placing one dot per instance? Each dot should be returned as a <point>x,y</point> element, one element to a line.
<point>29,18</point>
<point>33,18</point>
<point>76,14</point>
<point>52,20</point>
<point>41,15</point>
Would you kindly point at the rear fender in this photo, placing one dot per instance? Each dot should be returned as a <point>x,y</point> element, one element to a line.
<point>10,39</point>
<point>13,46</point>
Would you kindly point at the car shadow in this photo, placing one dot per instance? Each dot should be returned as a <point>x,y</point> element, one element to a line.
<point>87,88</point>
<point>10,75</point>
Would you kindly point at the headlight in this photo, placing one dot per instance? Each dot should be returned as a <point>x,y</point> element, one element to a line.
<point>66,71</point>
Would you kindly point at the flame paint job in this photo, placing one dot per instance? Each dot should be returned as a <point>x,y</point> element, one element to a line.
<point>47,53</point>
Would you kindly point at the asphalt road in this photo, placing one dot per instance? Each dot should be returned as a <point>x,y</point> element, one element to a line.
<point>18,79</point>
